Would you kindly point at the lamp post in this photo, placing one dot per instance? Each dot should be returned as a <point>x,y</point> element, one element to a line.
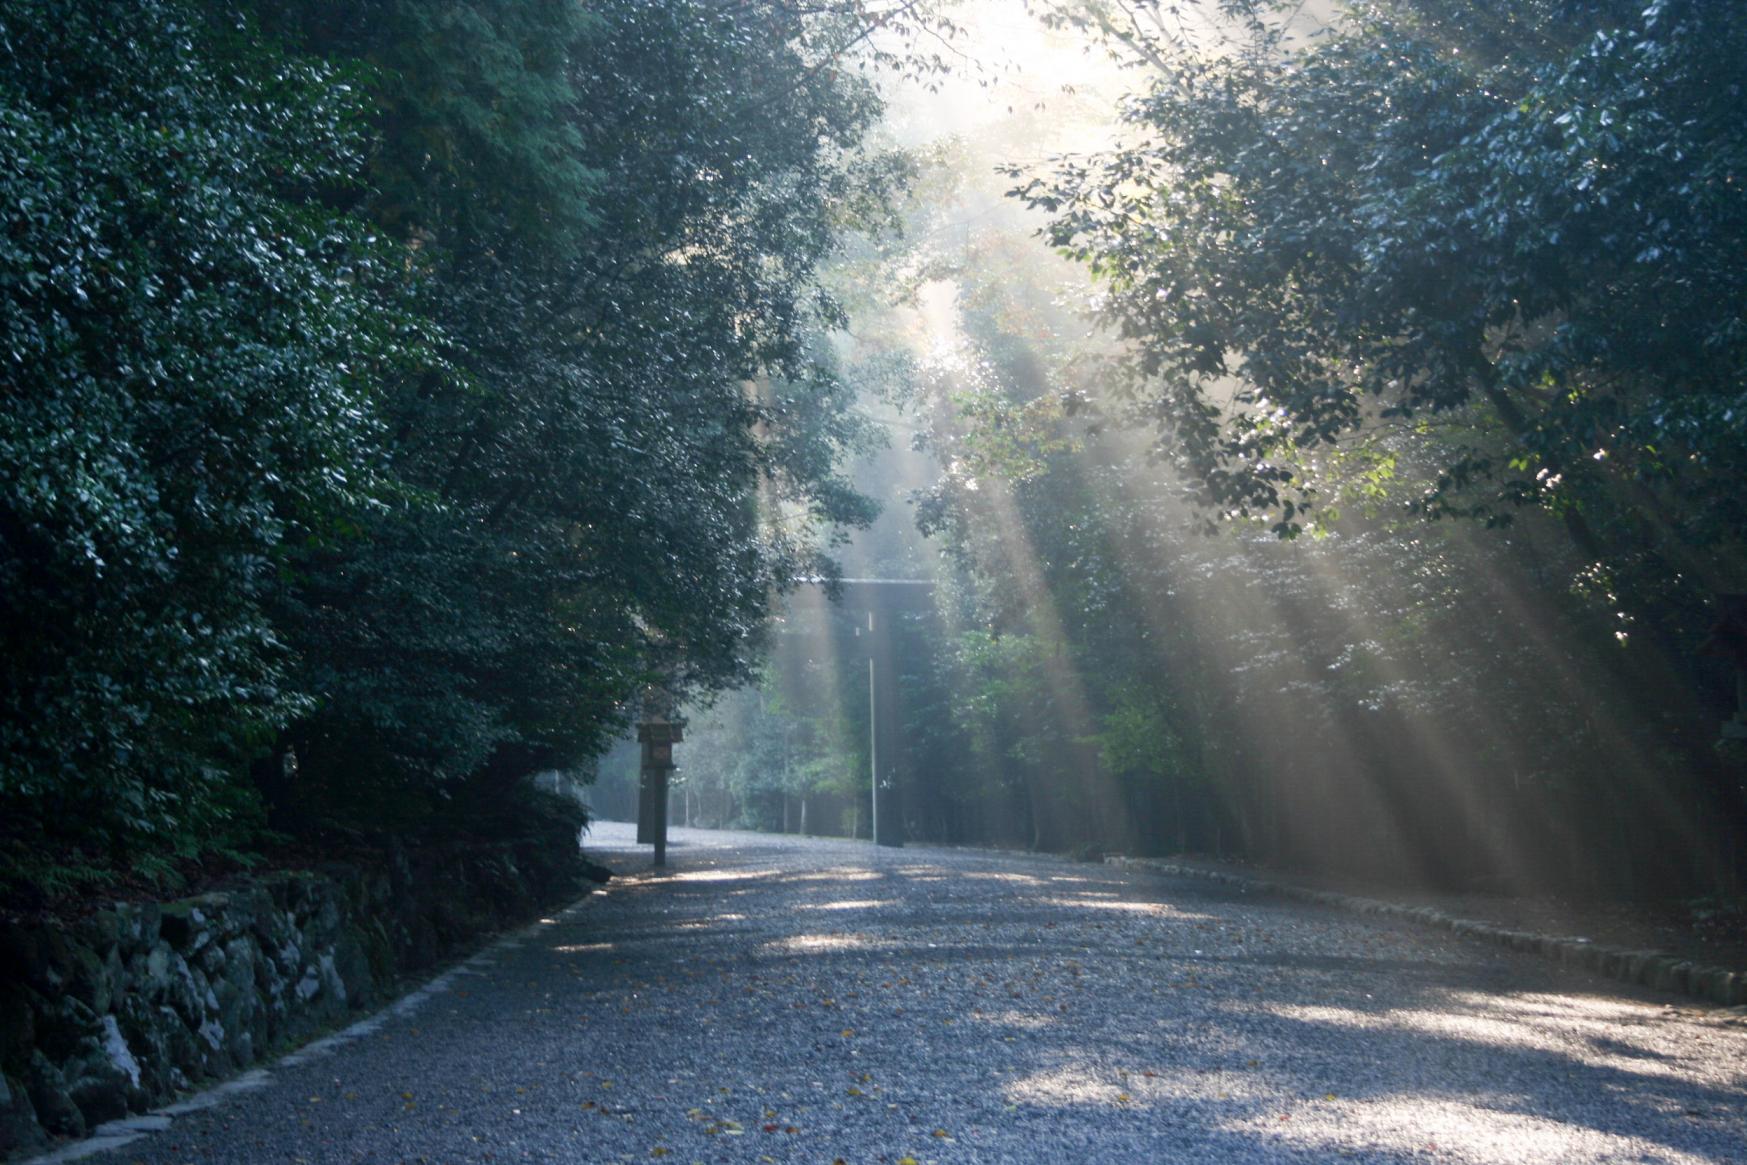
<point>881,604</point>
<point>883,601</point>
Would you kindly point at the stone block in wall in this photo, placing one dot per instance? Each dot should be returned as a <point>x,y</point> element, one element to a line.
<point>20,1131</point>
<point>187,1055</point>
<point>137,1002</point>
<point>356,981</point>
<point>18,1010</point>
<point>183,926</point>
<point>63,1025</point>
<point>47,1089</point>
<point>152,1041</point>
<point>102,1076</point>
<point>139,925</point>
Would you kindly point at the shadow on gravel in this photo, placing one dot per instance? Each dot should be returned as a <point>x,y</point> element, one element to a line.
<point>1477,1076</point>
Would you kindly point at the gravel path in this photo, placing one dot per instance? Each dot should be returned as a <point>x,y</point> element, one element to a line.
<point>767,999</point>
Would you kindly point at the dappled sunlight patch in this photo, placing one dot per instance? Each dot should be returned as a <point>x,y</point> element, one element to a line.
<point>1543,1005</point>
<point>997,876</point>
<point>1093,903</point>
<point>1596,1042</point>
<point>1102,1085</point>
<point>1472,1130</point>
<point>1066,1087</point>
<point>718,875</point>
<point>1027,1021</point>
<point>1136,1085</point>
<point>838,874</point>
<point>849,904</point>
<point>706,923</point>
<point>585,948</point>
<point>812,944</point>
<point>1469,1026</point>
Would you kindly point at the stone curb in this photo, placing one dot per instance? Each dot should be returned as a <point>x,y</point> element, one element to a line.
<point>1655,969</point>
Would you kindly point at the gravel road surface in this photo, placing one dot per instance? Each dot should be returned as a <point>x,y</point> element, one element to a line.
<point>772,1000</point>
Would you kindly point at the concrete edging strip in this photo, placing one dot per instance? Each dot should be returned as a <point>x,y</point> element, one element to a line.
<point>1655,969</point>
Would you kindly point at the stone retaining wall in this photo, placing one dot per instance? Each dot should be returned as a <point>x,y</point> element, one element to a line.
<point>1656,969</point>
<point>119,1012</point>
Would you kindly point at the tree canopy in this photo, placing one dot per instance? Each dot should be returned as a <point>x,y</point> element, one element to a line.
<point>392,389</point>
<point>1514,216</point>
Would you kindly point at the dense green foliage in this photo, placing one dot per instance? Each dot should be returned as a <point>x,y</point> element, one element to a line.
<point>391,389</point>
<point>190,343</point>
<point>587,465</point>
<point>1436,209</point>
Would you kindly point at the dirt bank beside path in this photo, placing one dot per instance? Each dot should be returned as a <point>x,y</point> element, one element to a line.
<point>770,999</point>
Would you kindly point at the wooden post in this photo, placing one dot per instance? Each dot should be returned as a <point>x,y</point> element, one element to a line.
<point>657,733</point>
<point>646,801</point>
<point>1728,639</point>
<point>661,812</point>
